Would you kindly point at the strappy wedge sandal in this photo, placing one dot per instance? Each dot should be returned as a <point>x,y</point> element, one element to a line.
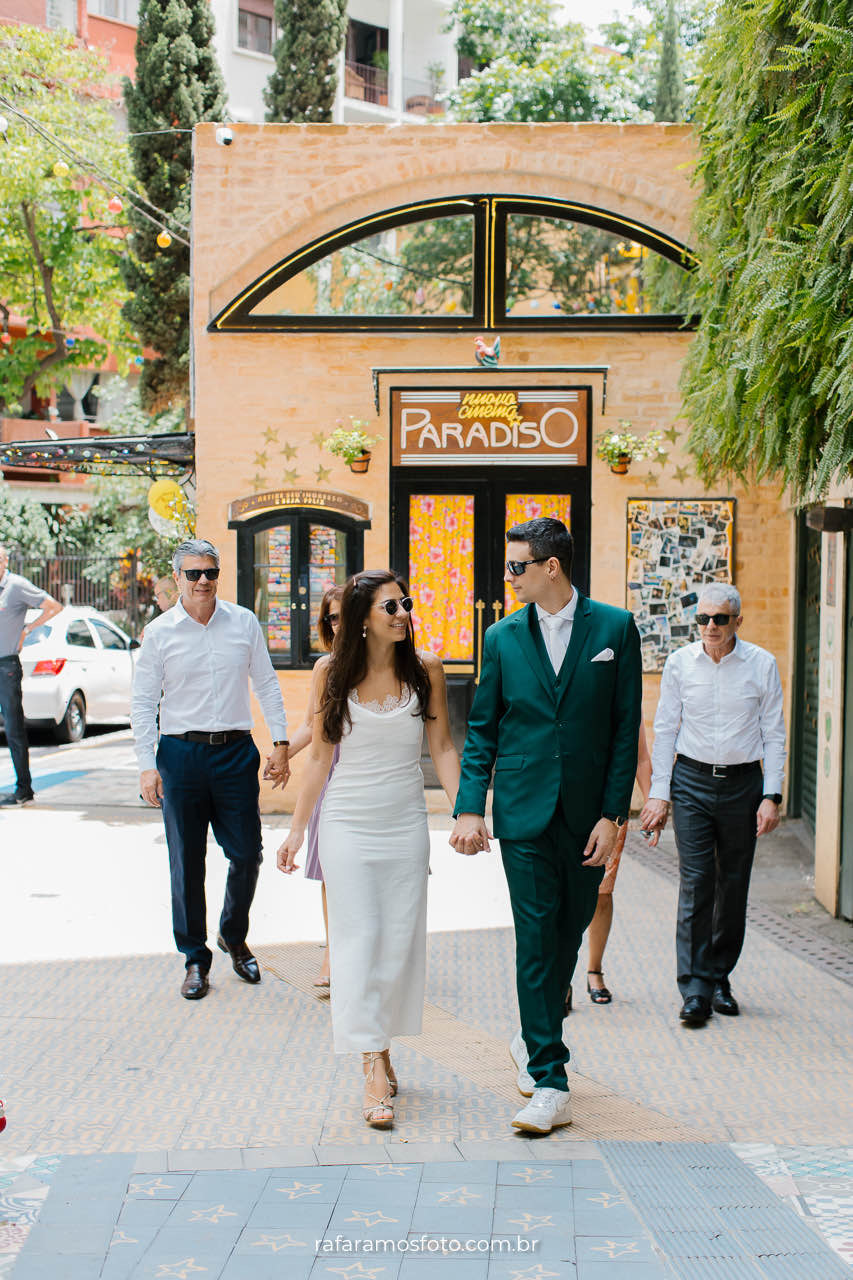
<point>381,1115</point>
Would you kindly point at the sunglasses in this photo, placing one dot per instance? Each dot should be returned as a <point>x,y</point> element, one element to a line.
<point>719,619</point>
<point>333,619</point>
<point>517,567</point>
<point>407,604</point>
<point>193,575</point>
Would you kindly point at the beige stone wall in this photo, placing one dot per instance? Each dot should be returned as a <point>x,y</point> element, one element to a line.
<point>262,402</point>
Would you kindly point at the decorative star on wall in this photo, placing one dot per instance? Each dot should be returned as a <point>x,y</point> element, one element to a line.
<point>319,439</point>
<point>290,477</point>
<point>261,459</point>
<point>672,435</point>
<point>649,480</point>
<point>323,473</point>
<point>682,474</point>
<point>258,481</point>
<point>270,435</point>
<point>288,450</point>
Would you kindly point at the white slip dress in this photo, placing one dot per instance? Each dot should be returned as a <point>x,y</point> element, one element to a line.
<point>375,842</point>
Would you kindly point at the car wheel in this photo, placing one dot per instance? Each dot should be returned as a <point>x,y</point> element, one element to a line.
<point>72,726</point>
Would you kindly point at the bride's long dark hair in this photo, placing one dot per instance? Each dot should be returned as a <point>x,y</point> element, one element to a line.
<point>348,664</point>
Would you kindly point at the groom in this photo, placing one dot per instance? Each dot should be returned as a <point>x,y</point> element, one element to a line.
<point>557,715</point>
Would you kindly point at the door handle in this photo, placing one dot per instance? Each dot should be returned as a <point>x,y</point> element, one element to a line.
<point>497,609</point>
<point>479,608</point>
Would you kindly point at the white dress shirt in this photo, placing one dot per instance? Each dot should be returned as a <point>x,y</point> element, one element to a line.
<point>199,677</point>
<point>556,630</point>
<point>726,712</point>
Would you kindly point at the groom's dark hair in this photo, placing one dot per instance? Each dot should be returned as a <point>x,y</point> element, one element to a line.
<point>546,537</point>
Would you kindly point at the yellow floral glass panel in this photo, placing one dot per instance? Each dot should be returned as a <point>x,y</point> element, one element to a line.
<point>441,573</point>
<point>530,506</point>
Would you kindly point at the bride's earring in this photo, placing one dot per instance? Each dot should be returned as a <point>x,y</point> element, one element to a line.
<point>364,633</point>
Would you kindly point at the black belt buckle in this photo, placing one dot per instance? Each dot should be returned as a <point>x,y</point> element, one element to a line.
<point>719,771</point>
<point>219,738</point>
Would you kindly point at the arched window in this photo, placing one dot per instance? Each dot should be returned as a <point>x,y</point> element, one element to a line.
<point>474,262</point>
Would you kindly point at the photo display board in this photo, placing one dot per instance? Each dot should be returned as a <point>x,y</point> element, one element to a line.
<point>675,547</point>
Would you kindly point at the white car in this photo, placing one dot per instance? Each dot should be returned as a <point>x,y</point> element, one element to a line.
<point>78,670</point>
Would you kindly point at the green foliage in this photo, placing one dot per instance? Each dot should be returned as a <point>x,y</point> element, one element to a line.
<point>353,443</point>
<point>60,248</point>
<point>178,84</point>
<point>669,98</point>
<point>641,42</point>
<point>302,87</point>
<point>24,524</point>
<point>768,381</point>
<point>623,445</point>
<point>501,28</point>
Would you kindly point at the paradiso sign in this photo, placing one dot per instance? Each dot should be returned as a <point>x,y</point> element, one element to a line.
<point>536,425</point>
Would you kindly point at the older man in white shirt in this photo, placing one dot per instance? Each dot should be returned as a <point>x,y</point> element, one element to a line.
<point>195,664</point>
<point>720,716</point>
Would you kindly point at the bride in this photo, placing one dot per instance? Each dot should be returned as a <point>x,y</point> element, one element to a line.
<point>374,698</point>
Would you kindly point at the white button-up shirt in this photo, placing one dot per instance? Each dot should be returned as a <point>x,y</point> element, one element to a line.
<point>557,635</point>
<point>199,677</point>
<point>726,712</point>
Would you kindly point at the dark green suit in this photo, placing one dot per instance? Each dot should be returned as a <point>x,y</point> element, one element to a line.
<point>564,751</point>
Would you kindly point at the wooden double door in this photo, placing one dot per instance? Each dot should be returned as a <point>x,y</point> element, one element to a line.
<point>448,540</point>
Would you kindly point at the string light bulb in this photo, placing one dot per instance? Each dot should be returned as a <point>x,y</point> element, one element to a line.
<point>60,169</point>
<point>164,239</point>
<point>115,205</point>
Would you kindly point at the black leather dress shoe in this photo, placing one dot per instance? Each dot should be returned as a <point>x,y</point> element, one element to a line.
<point>695,1011</point>
<point>723,1000</point>
<point>245,964</point>
<point>195,985</point>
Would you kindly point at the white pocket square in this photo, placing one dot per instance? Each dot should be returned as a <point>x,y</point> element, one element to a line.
<point>606,655</point>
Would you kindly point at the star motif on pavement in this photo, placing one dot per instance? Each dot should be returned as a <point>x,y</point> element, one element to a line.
<point>398,1170</point>
<point>682,474</point>
<point>607,1199</point>
<point>616,1248</point>
<point>261,459</point>
<point>276,1243</point>
<point>290,477</point>
<point>534,1175</point>
<point>121,1238</point>
<point>357,1269</point>
<point>672,435</point>
<point>270,435</point>
<point>178,1270</point>
<point>532,1273</point>
<point>532,1221</point>
<point>213,1214</point>
<point>319,439</point>
<point>369,1217</point>
<point>289,450</point>
<point>459,1195</point>
<point>150,1188</point>
<point>323,473</point>
<point>300,1189</point>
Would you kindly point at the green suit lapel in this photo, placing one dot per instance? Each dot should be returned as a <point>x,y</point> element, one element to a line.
<point>533,647</point>
<point>581,630</point>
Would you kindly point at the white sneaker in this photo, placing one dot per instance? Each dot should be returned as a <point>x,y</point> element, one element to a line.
<point>547,1109</point>
<point>518,1053</point>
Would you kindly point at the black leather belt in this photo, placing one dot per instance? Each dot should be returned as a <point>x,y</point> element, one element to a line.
<point>218,739</point>
<point>721,770</point>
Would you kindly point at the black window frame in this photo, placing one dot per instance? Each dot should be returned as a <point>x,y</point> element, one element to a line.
<point>489,213</point>
<point>300,519</point>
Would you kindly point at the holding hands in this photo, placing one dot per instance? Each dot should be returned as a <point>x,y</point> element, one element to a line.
<point>470,834</point>
<point>277,766</point>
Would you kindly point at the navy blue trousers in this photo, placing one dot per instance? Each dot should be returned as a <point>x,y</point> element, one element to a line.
<point>714,820</point>
<point>216,787</point>
<point>12,707</point>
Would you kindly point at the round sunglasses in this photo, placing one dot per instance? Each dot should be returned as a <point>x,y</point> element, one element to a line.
<point>407,604</point>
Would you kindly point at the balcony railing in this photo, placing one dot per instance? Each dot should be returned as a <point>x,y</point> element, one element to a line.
<point>365,83</point>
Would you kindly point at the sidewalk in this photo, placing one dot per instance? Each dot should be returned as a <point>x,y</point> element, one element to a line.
<point>725,1151</point>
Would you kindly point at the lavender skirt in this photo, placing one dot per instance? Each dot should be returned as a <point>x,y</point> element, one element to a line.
<point>313,870</point>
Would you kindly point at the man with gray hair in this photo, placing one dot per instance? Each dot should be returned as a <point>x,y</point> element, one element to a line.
<point>720,716</point>
<point>195,664</point>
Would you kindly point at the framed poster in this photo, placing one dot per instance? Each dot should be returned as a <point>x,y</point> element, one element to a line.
<point>675,546</point>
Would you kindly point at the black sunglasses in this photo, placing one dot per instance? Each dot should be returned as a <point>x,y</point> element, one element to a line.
<point>720,619</point>
<point>333,619</point>
<point>193,575</point>
<point>517,567</point>
<point>390,606</point>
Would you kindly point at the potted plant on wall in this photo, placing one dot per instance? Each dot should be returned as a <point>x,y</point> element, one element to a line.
<point>352,444</point>
<point>620,448</point>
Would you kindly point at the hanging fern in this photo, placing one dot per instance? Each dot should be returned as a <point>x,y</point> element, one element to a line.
<point>768,382</point>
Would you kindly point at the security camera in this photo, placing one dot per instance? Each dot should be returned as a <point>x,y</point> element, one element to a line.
<point>224,136</point>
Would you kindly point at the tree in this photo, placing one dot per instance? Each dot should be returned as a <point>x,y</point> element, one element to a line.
<point>24,524</point>
<point>302,87</point>
<point>669,98</point>
<point>518,28</point>
<point>61,247</point>
<point>641,41</point>
<point>768,380</point>
<point>178,84</point>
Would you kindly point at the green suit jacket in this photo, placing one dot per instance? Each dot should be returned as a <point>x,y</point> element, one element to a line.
<point>571,737</point>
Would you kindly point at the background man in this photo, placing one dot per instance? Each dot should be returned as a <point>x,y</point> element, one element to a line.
<point>557,714</point>
<point>195,664</point>
<point>720,714</point>
<point>17,595</point>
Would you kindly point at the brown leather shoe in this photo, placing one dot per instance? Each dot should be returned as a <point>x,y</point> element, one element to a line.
<point>195,985</point>
<point>245,964</point>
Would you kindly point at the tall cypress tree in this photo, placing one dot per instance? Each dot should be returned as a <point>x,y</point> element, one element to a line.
<point>302,87</point>
<point>178,83</point>
<point>669,98</point>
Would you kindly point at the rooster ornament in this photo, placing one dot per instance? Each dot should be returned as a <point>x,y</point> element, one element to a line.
<point>487,356</point>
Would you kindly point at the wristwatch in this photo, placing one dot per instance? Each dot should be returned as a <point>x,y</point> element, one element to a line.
<point>282,742</point>
<point>774,796</point>
<point>615,817</point>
